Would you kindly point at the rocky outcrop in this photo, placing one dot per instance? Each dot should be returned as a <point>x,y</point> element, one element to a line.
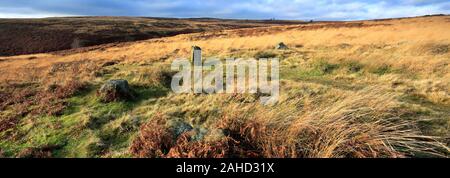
<point>281,46</point>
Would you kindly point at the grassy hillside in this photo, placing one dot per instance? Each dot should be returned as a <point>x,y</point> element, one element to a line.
<point>350,89</point>
<point>28,36</point>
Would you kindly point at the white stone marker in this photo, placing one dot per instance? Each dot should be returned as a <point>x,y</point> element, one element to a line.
<point>197,55</point>
<point>198,69</point>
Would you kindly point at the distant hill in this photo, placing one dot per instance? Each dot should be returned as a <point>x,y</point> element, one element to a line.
<point>28,36</point>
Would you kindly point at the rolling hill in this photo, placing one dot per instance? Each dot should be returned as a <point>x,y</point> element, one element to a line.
<point>28,36</point>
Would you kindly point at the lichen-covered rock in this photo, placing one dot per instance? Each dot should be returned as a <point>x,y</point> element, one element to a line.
<point>115,90</point>
<point>178,126</point>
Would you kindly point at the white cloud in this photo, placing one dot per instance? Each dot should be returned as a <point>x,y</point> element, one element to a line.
<point>27,13</point>
<point>251,9</point>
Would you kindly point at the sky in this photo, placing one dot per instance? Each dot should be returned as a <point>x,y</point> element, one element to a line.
<point>240,9</point>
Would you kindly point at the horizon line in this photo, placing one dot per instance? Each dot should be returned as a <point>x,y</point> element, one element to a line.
<point>256,19</point>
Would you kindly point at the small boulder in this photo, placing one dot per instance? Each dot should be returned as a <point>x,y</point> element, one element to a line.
<point>281,46</point>
<point>115,90</point>
<point>178,126</point>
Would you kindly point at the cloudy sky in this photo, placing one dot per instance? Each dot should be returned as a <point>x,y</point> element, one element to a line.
<point>243,9</point>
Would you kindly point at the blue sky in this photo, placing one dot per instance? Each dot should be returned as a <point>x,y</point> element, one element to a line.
<point>243,9</point>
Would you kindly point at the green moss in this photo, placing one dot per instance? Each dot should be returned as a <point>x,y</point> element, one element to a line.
<point>78,145</point>
<point>47,131</point>
<point>10,149</point>
<point>87,128</point>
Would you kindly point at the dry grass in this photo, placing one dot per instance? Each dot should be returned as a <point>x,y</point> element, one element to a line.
<point>153,141</point>
<point>365,124</point>
<point>398,36</point>
<point>355,89</point>
<point>38,101</point>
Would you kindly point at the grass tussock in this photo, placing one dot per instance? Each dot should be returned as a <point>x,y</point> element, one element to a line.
<point>353,127</point>
<point>155,140</point>
<point>367,124</point>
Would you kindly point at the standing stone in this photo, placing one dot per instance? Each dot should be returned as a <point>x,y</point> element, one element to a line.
<point>198,69</point>
<point>197,55</point>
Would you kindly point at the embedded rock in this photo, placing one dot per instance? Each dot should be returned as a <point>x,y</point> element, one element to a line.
<point>115,90</point>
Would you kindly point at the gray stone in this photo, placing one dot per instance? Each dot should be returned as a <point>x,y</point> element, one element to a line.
<point>115,90</point>
<point>200,134</point>
<point>178,126</point>
<point>281,46</point>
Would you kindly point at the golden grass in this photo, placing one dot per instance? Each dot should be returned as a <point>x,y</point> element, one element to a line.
<point>402,43</point>
<point>344,114</point>
<point>362,124</point>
